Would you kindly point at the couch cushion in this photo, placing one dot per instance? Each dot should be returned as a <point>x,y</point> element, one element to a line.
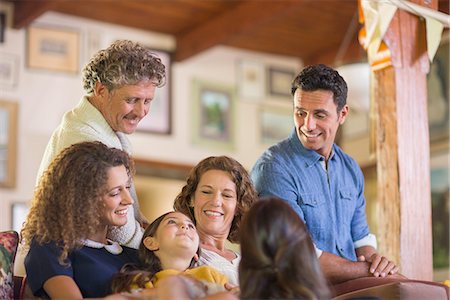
<point>8,248</point>
<point>390,288</point>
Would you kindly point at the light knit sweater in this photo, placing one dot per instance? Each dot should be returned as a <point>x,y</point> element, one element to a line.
<point>86,123</point>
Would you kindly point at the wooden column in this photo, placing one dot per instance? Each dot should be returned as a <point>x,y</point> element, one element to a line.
<point>402,144</point>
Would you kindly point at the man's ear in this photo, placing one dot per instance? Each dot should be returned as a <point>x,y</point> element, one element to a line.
<point>100,89</point>
<point>343,114</point>
<point>151,243</point>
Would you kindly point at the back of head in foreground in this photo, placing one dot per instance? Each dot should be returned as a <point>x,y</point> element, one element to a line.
<point>68,202</point>
<point>278,258</point>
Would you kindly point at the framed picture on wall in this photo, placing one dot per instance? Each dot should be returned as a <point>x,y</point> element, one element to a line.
<point>8,142</point>
<point>438,95</point>
<point>55,49</point>
<point>19,212</point>
<point>279,81</point>
<point>159,120</point>
<point>275,124</point>
<point>213,114</point>
<point>251,80</point>
<point>9,65</point>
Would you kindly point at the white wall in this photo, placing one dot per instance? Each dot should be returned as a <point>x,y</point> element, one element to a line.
<point>43,96</point>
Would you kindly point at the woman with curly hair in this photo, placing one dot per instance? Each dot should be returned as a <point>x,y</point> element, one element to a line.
<point>83,194</point>
<point>278,257</point>
<point>216,196</point>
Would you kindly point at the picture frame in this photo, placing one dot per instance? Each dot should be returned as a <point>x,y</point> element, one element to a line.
<point>440,190</point>
<point>439,95</point>
<point>54,49</point>
<point>275,124</point>
<point>19,212</point>
<point>279,81</point>
<point>251,80</point>
<point>8,143</point>
<point>213,115</point>
<point>9,69</point>
<point>159,119</point>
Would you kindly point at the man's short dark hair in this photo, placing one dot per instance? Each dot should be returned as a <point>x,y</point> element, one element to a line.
<point>322,77</point>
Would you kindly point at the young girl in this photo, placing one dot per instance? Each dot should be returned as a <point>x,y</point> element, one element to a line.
<point>170,246</point>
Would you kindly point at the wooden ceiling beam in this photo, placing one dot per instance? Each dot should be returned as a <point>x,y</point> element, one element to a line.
<point>26,12</point>
<point>244,18</point>
<point>354,53</point>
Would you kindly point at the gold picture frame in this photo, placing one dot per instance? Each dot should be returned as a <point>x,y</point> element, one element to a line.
<point>53,49</point>
<point>8,143</point>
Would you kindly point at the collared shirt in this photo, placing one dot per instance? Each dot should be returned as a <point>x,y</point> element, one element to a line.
<point>329,200</point>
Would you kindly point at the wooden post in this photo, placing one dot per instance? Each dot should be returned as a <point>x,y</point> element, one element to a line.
<point>402,144</point>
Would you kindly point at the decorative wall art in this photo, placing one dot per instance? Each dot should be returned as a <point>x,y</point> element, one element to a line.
<point>438,95</point>
<point>8,142</point>
<point>9,66</point>
<point>213,114</point>
<point>159,118</point>
<point>275,124</point>
<point>251,80</point>
<point>279,82</point>
<point>19,212</point>
<point>53,49</point>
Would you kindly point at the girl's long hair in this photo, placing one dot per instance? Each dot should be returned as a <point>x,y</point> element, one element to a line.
<point>278,257</point>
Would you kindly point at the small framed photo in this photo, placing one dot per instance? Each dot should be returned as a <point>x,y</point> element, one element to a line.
<point>53,49</point>
<point>159,119</point>
<point>9,65</point>
<point>213,114</point>
<point>251,80</point>
<point>19,212</point>
<point>275,124</point>
<point>8,143</point>
<point>279,81</point>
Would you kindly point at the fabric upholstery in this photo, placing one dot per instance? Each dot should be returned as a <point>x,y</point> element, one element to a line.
<point>390,288</point>
<point>8,248</point>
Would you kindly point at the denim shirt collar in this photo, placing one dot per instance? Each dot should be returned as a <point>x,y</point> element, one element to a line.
<point>310,157</point>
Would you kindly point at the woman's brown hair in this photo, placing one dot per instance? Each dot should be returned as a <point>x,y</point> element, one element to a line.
<point>278,257</point>
<point>67,204</point>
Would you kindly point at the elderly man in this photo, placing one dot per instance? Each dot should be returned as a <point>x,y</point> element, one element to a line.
<point>120,84</point>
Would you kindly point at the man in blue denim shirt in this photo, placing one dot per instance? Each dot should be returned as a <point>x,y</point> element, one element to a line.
<point>324,185</point>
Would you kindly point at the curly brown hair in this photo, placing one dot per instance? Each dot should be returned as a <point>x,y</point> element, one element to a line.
<point>245,190</point>
<point>123,63</point>
<point>67,203</point>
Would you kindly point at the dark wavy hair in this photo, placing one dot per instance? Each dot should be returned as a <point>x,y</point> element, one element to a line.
<point>322,77</point>
<point>245,190</point>
<point>123,63</point>
<point>68,201</point>
<point>278,257</point>
<point>150,264</point>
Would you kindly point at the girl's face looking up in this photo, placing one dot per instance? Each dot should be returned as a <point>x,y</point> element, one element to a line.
<point>176,236</point>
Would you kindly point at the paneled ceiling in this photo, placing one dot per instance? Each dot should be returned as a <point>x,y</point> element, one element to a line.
<point>314,30</point>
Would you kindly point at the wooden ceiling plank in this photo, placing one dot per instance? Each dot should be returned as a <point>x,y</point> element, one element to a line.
<point>26,12</point>
<point>243,18</point>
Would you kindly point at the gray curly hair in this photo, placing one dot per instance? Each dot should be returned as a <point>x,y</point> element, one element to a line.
<point>123,63</point>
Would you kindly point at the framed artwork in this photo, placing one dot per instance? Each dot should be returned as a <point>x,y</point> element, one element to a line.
<point>440,182</point>
<point>9,66</point>
<point>19,212</point>
<point>8,142</point>
<point>159,118</point>
<point>53,49</point>
<point>251,80</point>
<point>438,81</point>
<point>213,114</point>
<point>279,81</point>
<point>275,124</point>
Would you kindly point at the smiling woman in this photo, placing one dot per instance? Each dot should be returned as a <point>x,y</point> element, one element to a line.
<point>216,196</point>
<point>83,194</point>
